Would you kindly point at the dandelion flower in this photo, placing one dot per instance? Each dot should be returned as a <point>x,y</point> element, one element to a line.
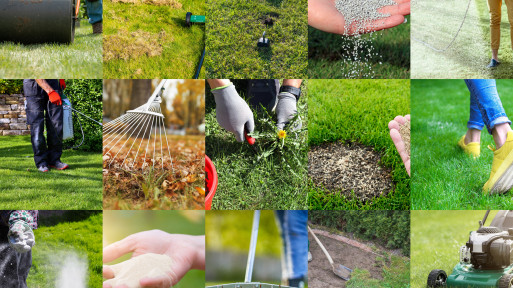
<point>282,134</point>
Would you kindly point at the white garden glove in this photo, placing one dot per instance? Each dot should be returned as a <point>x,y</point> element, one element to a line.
<point>21,237</point>
<point>286,110</point>
<point>232,112</point>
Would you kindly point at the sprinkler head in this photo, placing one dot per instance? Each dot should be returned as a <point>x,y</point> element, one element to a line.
<point>263,42</point>
<point>190,19</point>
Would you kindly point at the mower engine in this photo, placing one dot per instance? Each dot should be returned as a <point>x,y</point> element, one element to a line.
<point>489,248</point>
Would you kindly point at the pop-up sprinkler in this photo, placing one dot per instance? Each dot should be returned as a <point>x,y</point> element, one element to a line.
<point>263,42</point>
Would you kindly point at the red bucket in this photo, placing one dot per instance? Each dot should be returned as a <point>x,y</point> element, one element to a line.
<point>211,182</point>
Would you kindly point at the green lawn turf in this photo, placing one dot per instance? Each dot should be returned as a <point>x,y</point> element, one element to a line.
<point>359,111</point>
<point>22,185</point>
<point>181,48</point>
<point>396,273</point>
<point>436,239</point>
<point>234,29</point>
<point>82,59</point>
<point>76,233</point>
<point>326,54</point>
<point>247,179</point>
<point>443,176</point>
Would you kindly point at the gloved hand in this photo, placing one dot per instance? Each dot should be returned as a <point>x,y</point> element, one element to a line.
<point>286,110</point>
<point>21,237</point>
<point>62,83</point>
<point>55,98</point>
<point>232,112</point>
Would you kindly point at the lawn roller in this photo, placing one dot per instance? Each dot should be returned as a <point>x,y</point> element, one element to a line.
<point>30,22</point>
<point>251,259</point>
<point>189,20</point>
<point>486,260</point>
<point>140,134</point>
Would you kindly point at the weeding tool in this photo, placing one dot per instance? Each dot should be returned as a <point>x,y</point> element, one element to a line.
<point>263,42</point>
<point>251,141</point>
<point>339,269</point>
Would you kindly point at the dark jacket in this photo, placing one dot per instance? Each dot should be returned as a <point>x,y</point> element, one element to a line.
<point>31,88</point>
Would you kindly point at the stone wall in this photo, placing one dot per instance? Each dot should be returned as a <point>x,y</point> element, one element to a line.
<point>13,119</point>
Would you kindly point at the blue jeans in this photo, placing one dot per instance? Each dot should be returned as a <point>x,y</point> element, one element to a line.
<point>292,224</point>
<point>95,11</point>
<point>485,105</point>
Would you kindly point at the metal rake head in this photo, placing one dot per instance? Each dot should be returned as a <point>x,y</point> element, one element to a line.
<point>138,139</point>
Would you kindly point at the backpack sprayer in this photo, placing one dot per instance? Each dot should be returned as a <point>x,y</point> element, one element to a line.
<point>67,127</point>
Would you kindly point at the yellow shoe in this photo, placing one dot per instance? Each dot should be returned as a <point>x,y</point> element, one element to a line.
<point>501,178</point>
<point>472,148</point>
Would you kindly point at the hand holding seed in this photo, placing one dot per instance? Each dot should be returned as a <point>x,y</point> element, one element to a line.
<point>351,17</point>
<point>187,252</point>
<point>398,128</point>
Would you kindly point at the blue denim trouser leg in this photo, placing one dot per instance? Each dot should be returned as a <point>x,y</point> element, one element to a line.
<point>95,11</point>
<point>485,105</point>
<point>292,224</point>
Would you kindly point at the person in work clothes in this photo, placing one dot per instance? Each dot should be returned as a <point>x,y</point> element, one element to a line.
<point>16,241</point>
<point>44,105</point>
<point>495,7</point>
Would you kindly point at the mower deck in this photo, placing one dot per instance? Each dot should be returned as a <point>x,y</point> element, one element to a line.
<point>464,275</point>
<point>248,285</point>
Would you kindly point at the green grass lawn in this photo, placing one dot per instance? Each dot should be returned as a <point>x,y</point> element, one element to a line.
<point>22,185</point>
<point>326,54</point>
<point>235,27</point>
<point>181,46</point>
<point>82,59</point>
<point>359,111</point>
<point>76,233</point>
<point>262,179</point>
<point>443,176</point>
<point>396,273</point>
<point>469,54</point>
<point>436,239</point>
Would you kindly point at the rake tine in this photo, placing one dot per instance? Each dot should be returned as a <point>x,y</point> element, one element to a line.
<point>133,144</point>
<point>149,137</point>
<point>154,138</point>
<point>161,154</point>
<point>121,136</point>
<point>115,123</point>
<point>123,126</point>
<point>168,150</point>
<point>133,131</point>
<point>142,139</point>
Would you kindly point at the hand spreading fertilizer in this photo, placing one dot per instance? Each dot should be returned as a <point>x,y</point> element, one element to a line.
<point>149,265</point>
<point>360,18</point>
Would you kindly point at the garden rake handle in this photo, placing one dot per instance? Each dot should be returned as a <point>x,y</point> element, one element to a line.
<point>252,246</point>
<point>322,246</point>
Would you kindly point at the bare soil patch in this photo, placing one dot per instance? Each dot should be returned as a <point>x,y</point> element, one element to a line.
<point>343,168</point>
<point>320,273</point>
<point>130,45</point>
<point>171,3</point>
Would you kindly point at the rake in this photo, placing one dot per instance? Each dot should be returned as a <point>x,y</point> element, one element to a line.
<point>140,134</point>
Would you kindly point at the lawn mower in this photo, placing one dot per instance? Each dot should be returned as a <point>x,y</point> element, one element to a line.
<point>189,20</point>
<point>486,260</point>
<point>251,259</point>
<point>29,22</point>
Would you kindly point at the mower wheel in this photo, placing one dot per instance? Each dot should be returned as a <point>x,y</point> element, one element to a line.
<point>506,281</point>
<point>437,278</point>
<point>188,19</point>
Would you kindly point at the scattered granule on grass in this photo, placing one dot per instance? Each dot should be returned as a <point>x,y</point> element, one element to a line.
<point>350,167</point>
<point>171,3</point>
<point>362,13</point>
<point>404,130</point>
<point>130,45</point>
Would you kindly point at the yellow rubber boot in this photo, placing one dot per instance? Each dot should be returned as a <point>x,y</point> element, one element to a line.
<point>501,178</point>
<point>472,148</point>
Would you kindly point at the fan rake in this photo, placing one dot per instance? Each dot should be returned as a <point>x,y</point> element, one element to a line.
<point>138,139</point>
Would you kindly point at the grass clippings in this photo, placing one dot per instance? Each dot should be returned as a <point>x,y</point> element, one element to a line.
<point>130,45</point>
<point>349,168</point>
<point>404,130</point>
<point>171,3</point>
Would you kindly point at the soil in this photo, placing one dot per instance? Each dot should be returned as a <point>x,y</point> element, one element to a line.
<point>404,130</point>
<point>343,168</point>
<point>320,273</point>
<point>129,45</point>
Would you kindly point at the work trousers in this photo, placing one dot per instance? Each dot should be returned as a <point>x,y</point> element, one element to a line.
<point>495,7</point>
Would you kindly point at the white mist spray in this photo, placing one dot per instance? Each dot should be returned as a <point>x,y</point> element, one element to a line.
<point>72,271</point>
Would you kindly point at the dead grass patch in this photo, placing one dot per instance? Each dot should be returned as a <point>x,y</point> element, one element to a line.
<point>130,45</point>
<point>171,3</point>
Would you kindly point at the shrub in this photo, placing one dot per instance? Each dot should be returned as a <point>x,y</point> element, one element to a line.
<point>11,86</point>
<point>86,97</point>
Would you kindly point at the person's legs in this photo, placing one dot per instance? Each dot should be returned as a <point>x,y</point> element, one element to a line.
<point>494,7</point>
<point>292,224</point>
<point>54,132</point>
<point>509,4</point>
<point>35,118</point>
<point>95,13</point>
<point>263,92</point>
<point>14,267</point>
